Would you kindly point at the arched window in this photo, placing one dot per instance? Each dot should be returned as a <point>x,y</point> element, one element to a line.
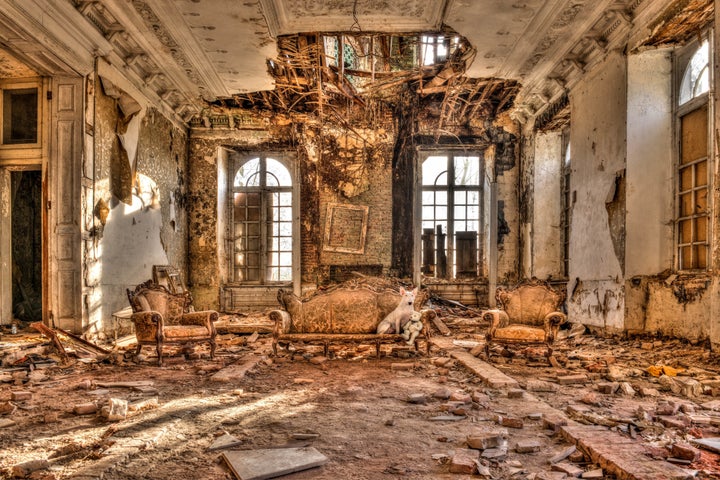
<point>692,207</point>
<point>450,211</point>
<point>696,79</point>
<point>262,221</point>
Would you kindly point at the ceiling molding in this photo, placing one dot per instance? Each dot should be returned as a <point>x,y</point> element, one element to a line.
<point>286,17</point>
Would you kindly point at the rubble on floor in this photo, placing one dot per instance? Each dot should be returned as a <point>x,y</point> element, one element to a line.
<point>611,408</point>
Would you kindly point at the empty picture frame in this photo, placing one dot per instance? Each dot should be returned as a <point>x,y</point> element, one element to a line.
<point>345,228</point>
<point>169,277</point>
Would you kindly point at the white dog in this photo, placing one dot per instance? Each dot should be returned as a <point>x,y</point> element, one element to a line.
<point>412,328</point>
<point>394,320</point>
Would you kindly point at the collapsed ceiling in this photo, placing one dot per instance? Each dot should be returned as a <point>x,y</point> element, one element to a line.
<point>186,54</point>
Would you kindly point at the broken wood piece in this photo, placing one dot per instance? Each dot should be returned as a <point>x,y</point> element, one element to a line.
<point>253,338</point>
<point>40,327</point>
<point>135,384</point>
<point>83,343</point>
<point>272,462</point>
<point>442,328</point>
<point>22,470</point>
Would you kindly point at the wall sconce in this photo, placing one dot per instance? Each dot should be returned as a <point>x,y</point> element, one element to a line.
<point>102,211</point>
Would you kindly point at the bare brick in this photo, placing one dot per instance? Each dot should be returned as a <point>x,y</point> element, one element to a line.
<point>528,446</point>
<point>464,461</point>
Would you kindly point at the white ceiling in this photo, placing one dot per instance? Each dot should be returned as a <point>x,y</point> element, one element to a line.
<point>186,51</point>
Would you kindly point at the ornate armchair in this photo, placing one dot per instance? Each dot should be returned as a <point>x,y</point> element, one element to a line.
<point>527,314</point>
<point>162,317</point>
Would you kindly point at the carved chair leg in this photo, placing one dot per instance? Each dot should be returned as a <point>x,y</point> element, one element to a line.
<point>326,348</point>
<point>377,348</point>
<point>159,353</point>
<point>487,350</point>
<point>274,346</point>
<point>213,346</point>
<point>138,349</point>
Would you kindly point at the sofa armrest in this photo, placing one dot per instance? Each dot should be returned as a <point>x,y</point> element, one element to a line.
<point>497,319</point>
<point>148,325</point>
<point>205,318</point>
<point>282,320</point>
<point>552,322</point>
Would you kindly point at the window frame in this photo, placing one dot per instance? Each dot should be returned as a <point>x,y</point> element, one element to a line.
<point>451,189</point>
<point>681,62</point>
<point>237,159</point>
<point>21,153</point>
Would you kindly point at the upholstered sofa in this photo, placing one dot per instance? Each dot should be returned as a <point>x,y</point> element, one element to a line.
<point>161,317</point>
<point>348,314</point>
<point>527,314</point>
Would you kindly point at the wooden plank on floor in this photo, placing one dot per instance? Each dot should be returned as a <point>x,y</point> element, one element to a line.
<point>237,371</point>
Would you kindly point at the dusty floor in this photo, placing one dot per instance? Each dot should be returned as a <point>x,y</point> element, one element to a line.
<point>355,408</point>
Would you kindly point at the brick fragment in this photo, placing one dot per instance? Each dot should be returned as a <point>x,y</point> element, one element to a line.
<point>484,441</point>
<point>596,474</point>
<point>464,461</point>
<point>528,446</point>
<point>572,379</point>
<point>568,469</point>
<point>685,452</point>
<point>515,393</point>
<point>510,422</point>
<point>608,388</point>
<point>21,395</point>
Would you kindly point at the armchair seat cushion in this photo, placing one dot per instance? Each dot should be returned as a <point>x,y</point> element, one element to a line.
<point>188,331</point>
<point>520,333</point>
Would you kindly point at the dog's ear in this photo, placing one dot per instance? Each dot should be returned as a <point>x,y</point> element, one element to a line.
<point>402,291</point>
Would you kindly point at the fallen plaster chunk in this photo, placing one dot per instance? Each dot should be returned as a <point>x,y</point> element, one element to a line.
<point>236,371</point>
<point>6,422</point>
<point>224,441</point>
<point>273,462</point>
<point>464,461</point>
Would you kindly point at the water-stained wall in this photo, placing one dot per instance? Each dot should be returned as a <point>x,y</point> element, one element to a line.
<point>137,204</point>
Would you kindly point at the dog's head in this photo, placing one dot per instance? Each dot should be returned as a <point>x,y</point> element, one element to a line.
<point>408,296</point>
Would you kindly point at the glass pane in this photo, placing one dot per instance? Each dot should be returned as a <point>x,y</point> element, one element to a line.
<point>277,173</point>
<point>253,259</point>
<point>428,213</point>
<point>247,174</point>
<point>467,170</point>
<point>441,213</point>
<point>283,199</point>
<point>701,201</point>
<point>285,274</point>
<point>441,198</point>
<point>460,198</point>
<point>686,257</point>
<point>285,214</point>
<point>686,182</point>
<point>20,116</point>
<point>434,170</point>
<point>285,258</point>
<point>701,174</point>
<point>474,197</point>
<point>253,244</point>
<point>428,223</point>
<point>460,212</point>
<point>472,226</point>
<point>686,204</point>
<point>239,230</point>
<point>285,244</point>
<point>285,229</point>
<point>701,229</point>
<point>701,256</point>
<point>253,229</point>
<point>473,213</point>
<point>685,231</point>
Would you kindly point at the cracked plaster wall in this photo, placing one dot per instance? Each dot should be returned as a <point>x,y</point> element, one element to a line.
<point>596,288</point>
<point>146,225</point>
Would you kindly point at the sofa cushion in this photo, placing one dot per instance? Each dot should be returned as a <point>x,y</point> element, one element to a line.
<point>181,331</point>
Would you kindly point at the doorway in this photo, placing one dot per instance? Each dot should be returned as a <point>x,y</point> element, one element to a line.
<point>26,244</point>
